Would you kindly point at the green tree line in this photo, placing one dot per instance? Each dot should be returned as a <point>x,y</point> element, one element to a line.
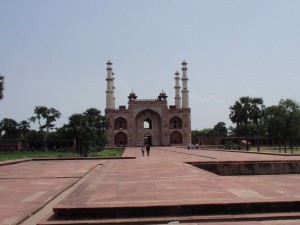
<point>252,118</point>
<point>249,114</point>
<point>88,128</point>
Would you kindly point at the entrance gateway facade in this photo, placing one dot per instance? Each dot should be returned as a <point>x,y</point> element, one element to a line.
<point>149,121</point>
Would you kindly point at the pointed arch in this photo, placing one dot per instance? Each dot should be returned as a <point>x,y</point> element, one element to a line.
<point>176,138</point>
<point>120,139</point>
<point>148,139</point>
<point>175,122</point>
<point>120,123</point>
<point>148,122</point>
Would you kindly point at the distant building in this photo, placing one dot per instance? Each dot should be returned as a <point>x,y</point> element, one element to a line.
<point>149,120</point>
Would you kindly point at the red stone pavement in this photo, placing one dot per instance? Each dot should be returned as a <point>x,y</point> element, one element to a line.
<point>163,178</point>
<point>25,187</point>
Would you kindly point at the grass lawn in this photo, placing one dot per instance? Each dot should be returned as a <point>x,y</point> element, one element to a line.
<point>57,154</point>
<point>107,153</point>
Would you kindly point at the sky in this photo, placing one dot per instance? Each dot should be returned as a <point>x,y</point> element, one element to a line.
<point>53,53</point>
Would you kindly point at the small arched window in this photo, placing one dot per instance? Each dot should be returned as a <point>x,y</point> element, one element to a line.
<point>175,123</point>
<point>147,124</point>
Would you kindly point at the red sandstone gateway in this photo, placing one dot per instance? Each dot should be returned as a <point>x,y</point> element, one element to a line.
<point>149,120</point>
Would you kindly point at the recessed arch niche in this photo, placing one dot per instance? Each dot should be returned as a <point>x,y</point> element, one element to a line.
<point>120,139</point>
<point>175,123</point>
<point>175,138</point>
<point>120,124</point>
<point>148,122</point>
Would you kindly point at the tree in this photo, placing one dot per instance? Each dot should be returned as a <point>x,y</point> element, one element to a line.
<point>23,128</point>
<point>256,114</point>
<point>46,118</point>
<point>220,129</point>
<point>246,114</point>
<point>291,118</point>
<point>89,130</point>
<point>1,86</point>
<point>204,132</point>
<point>274,122</point>
<point>243,112</point>
<point>195,134</point>
<point>231,131</point>
<point>236,117</point>
<point>283,122</point>
<point>8,128</point>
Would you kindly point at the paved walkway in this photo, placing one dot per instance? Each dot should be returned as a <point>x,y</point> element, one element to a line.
<point>26,187</point>
<point>162,179</point>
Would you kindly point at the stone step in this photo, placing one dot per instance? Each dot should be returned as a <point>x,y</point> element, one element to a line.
<point>155,214</point>
<point>174,209</point>
<point>218,219</point>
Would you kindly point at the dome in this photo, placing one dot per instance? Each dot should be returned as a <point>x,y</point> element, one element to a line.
<point>162,93</point>
<point>132,95</point>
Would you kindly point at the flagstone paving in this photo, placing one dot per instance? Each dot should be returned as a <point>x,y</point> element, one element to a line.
<point>162,179</point>
<point>25,187</point>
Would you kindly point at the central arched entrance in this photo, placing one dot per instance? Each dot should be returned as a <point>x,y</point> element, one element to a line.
<point>148,139</point>
<point>148,127</point>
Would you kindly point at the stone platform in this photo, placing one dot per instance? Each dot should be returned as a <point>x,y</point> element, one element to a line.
<point>158,189</point>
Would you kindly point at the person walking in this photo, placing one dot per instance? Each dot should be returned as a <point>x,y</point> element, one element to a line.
<point>143,150</point>
<point>148,149</point>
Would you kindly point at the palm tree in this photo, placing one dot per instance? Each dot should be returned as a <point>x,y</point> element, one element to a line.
<point>240,113</point>
<point>246,110</point>
<point>23,128</point>
<point>256,114</point>
<point>236,117</point>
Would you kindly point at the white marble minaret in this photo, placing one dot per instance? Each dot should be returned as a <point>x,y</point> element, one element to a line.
<point>110,101</point>
<point>185,90</point>
<point>177,91</point>
<point>114,98</point>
